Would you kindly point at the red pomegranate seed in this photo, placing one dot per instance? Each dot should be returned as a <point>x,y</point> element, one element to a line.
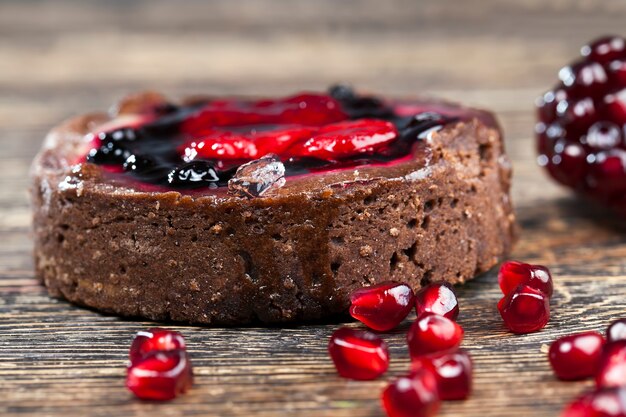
<point>610,173</point>
<point>453,371</point>
<point>382,307</point>
<point>155,339</point>
<point>612,369</point>
<point>160,375</point>
<point>358,354</point>
<point>547,105</point>
<point>584,77</point>
<point>576,356</point>
<point>578,114</point>
<point>617,72</point>
<point>609,402</point>
<point>616,106</point>
<point>604,135</point>
<point>616,331</point>
<point>432,333</point>
<point>514,273</point>
<point>438,298</point>
<point>525,310</point>
<point>413,395</point>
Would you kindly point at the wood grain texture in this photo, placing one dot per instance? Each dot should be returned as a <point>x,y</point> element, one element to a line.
<point>65,57</point>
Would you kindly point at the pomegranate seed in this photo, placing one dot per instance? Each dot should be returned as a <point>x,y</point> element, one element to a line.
<point>432,333</point>
<point>160,375</point>
<point>576,356</point>
<point>438,298</point>
<point>155,339</point>
<point>578,115</point>
<point>525,310</point>
<point>413,395</point>
<point>604,135</point>
<point>609,402</point>
<point>616,331</point>
<point>358,354</point>
<point>382,307</point>
<point>514,273</point>
<point>612,369</point>
<point>616,106</point>
<point>569,163</point>
<point>453,371</point>
<point>605,49</point>
<point>609,173</point>
<point>547,105</point>
<point>584,77</point>
<point>617,72</point>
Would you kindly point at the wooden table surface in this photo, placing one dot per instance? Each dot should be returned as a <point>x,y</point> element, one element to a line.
<point>65,57</point>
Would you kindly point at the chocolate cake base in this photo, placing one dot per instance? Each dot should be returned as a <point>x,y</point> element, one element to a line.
<point>294,255</point>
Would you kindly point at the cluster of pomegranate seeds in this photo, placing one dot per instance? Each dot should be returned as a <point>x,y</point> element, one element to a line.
<point>581,125</point>
<point>527,289</point>
<point>439,370</point>
<point>587,355</point>
<point>159,366</point>
<point>382,307</point>
<point>358,354</point>
<point>514,273</point>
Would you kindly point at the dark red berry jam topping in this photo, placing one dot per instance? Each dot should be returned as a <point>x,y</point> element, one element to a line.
<point>582,122</point>
<point>204,144</point>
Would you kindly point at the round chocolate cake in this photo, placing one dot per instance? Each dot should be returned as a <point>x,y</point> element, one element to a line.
<point>226,211</point>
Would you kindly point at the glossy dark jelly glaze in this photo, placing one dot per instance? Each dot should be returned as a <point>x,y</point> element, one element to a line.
<point>162,150</point>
